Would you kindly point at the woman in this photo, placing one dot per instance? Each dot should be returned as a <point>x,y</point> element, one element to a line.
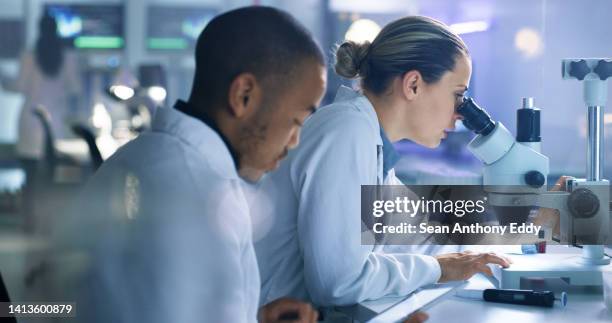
<point>413,75</point>
<point>48,77</point>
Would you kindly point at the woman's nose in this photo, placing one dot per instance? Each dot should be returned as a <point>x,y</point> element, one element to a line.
<point>456,116</point>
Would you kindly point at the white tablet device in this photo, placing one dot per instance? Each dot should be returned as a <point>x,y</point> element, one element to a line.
<point>415,301</point>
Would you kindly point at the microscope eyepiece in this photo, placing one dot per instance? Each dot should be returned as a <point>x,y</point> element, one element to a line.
<point>475,118</point>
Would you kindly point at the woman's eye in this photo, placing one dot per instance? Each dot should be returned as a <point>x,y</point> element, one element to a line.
<point>459,100</point>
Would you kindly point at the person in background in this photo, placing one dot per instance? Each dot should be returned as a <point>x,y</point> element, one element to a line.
<point>49,77</point>
<point>162,229</point>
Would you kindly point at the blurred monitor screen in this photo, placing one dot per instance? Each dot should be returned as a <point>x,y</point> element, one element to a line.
<point>89,26</point>
<point>11,37</point>
<point>176,28</point>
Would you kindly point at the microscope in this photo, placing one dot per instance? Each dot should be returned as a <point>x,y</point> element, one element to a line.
<point>515,172</point>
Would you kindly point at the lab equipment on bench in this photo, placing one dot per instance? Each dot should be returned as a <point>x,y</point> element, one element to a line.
<point>514,296</point>
<point>515,172</point>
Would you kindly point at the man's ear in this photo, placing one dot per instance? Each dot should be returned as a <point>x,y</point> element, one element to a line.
<point>242,94</point>
<point>412,84</point>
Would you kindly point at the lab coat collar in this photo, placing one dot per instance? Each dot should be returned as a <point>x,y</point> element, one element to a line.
<point>199,136</point>
<point>187,109</point>
<point>390,155</point>
<point>362,103</point>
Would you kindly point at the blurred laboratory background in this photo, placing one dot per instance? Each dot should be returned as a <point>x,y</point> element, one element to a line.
<point>82,77</point>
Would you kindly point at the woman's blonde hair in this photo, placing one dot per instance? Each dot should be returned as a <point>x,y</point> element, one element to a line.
<point>410,43</point>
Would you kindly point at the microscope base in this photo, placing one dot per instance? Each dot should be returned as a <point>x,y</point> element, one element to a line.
<point>569,267</point>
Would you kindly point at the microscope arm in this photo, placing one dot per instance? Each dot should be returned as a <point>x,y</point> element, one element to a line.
<point>551,199</point>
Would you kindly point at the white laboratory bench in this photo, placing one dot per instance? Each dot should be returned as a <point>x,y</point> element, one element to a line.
<point>582,307</point>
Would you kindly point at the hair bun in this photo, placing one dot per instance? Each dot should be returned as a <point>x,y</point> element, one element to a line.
<point>350,57</point>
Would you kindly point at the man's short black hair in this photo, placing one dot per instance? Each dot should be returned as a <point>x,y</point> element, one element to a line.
<point>264,41</point>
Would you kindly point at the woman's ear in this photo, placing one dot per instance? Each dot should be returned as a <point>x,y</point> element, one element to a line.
<point>411,84</point>
<point>242,95</point>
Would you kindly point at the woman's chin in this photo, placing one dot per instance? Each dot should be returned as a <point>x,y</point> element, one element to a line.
<point>432,143</point>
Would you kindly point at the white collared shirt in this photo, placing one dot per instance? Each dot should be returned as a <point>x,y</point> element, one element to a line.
<point>307,218</point>
<point>165,231</point>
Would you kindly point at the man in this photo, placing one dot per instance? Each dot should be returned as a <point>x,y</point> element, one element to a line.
<point>164,233</point>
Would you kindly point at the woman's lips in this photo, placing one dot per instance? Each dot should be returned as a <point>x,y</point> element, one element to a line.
<point>446,132</point>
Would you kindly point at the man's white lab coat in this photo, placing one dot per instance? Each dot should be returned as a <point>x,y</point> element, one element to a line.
<point>163,232</point>
<point>307,215</point>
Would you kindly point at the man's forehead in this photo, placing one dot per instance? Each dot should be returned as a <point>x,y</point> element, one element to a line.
<point>313,76</point>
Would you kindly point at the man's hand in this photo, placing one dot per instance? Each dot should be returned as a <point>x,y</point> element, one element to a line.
<point>287,310</point>
<point>550,217</point>
<point>463,265</point>
<point>417,317</point>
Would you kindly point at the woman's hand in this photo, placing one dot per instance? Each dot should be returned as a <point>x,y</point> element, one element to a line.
<point>463,265</point>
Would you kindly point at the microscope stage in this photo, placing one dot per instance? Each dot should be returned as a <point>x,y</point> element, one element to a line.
<point>569,267</point>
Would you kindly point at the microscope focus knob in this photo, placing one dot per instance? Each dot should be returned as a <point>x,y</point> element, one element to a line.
<point>583,203</point>
<point>579,69</point>
<point>603,69</point>
<point>535,179</point>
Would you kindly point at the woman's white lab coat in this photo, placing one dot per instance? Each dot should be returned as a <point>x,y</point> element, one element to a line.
<point>308,228</point>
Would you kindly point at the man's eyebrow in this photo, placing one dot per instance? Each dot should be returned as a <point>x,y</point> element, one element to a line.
<point>463,87</point>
